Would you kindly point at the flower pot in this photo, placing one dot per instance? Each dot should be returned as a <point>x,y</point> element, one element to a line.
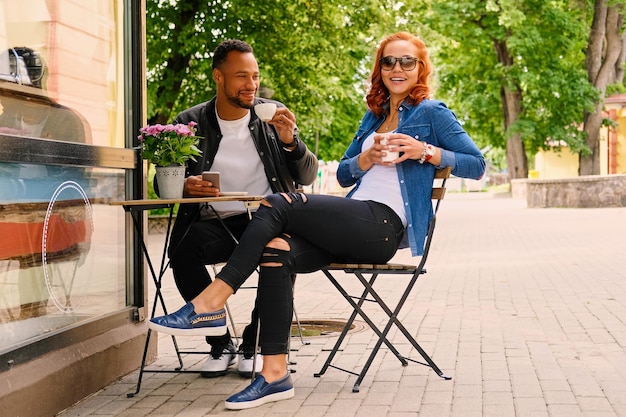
<point>171,181</point>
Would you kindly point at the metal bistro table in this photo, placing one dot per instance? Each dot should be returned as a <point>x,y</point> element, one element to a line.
<point>136,209</point>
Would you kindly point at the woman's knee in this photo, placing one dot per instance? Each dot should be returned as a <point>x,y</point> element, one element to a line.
<point>276,253</point>
<point>278,199</point>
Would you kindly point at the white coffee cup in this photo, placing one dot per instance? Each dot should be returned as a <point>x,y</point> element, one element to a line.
<point>389,155</point>
<point>265,111</point>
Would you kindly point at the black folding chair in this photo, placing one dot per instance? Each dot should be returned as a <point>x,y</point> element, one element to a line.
<point>371,295</point>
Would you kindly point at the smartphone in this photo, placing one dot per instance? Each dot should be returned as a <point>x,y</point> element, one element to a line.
<point>212,176</point>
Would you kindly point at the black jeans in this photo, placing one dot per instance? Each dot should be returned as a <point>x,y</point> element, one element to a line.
<point>206,243</point>
<point>319,229</point>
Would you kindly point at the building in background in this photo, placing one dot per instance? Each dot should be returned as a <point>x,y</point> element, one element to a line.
<point>553,164</point>
<point>71,279</point>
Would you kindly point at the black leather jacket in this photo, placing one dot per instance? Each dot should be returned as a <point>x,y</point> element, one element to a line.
<point>283,169</point>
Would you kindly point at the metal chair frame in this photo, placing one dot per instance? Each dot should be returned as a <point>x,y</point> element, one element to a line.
<point>367,275</point>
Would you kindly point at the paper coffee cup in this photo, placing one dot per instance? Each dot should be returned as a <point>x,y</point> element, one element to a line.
<point>265,111</point>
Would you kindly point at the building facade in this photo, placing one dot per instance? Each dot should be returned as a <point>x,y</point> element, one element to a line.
<point>71,278</point>
<point>560,164</point>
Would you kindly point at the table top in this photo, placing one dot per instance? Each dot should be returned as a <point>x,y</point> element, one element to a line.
<point>191,200</point>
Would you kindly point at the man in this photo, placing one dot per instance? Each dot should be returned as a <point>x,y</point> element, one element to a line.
<point>252,156</point>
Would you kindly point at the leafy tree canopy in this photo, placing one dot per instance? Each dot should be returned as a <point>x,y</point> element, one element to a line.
<point>313,56</point>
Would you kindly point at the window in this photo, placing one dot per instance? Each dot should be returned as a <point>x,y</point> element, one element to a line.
<point>62,247</point>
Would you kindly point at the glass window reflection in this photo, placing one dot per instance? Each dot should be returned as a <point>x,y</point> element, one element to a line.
<point>27,110</point>
<point>62,246</point>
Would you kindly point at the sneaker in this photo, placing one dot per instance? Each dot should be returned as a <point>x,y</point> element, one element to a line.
<point>246,362</point>
<point>219,360</point>
<point>260,392</point>
<point>185,322</point>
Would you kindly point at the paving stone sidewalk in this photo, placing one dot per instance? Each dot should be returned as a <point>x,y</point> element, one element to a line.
<point>524,308</point>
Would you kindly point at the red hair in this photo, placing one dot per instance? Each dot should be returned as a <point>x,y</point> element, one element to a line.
<point>378,93</point>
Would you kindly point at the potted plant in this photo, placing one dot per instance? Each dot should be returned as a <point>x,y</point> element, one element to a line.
<point>169,147</point>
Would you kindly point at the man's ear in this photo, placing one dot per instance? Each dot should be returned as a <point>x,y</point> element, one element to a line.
<point>217,75</point>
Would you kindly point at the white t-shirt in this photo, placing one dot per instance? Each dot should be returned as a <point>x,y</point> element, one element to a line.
<point>239,165</point>
<point>381,184</point>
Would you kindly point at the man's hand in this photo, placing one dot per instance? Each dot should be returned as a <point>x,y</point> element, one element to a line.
<point>195,186</point>
<point>285,123</point>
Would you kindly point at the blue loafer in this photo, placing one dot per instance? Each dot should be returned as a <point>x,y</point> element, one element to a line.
<point>260,392</point>
<point>185,322</point>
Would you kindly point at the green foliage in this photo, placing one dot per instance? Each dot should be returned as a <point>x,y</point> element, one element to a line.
<point>617,88</point>
<point>546,42</point>
<point>314,56</point>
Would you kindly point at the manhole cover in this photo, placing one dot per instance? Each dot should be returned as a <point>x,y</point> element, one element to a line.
<point>312,328</point>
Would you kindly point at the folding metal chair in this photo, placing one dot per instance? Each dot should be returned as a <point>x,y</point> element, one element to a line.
<point>371,295</point>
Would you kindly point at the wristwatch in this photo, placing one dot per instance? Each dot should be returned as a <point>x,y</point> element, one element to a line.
<point>294,143</point>
<point>428,152</point>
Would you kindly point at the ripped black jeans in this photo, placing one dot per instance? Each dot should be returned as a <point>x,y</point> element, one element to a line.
<point>319,229</point>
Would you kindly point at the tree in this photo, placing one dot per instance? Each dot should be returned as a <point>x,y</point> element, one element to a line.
<point>309,54</point>
<point>522,75</point>
<point>605,66</point>
<point>514,70</point>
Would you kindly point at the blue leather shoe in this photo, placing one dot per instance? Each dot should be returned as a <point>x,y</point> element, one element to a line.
<point>260,392</point>
<point>185,322</point>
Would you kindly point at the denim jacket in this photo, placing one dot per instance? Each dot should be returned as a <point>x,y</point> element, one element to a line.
<point>432,122</point>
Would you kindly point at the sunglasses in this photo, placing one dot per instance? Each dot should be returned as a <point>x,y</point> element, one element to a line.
<point>407,63</point>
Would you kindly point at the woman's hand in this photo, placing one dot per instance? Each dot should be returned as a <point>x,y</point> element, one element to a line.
<point>195,186</point>
<point>410,148</point>
<point>377,152</point>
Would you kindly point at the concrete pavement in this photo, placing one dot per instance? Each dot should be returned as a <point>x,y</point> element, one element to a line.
<point>524,308</point>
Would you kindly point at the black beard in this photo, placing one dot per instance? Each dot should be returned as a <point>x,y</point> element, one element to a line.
<point>237,102</point>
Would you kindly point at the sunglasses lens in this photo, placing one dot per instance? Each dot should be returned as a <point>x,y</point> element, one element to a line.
<point>407,63</point>
<point>388,62</point>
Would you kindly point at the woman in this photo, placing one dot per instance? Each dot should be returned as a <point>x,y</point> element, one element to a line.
<point>389,208</point>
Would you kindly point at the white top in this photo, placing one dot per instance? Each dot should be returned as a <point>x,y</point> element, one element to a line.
<point>239,165</point>
<point>381,184</point>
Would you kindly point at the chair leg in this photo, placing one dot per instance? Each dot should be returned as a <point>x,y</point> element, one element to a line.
<point>258,335</point>
<point>234,333</point>
<point>304,342</point>
<point>233,329</point>
<point>393,320</point>
<point>256,347</point>
<point>370,294</point>
<point>346,327</point>
<point>257,342</point>
<point>357,310</point>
